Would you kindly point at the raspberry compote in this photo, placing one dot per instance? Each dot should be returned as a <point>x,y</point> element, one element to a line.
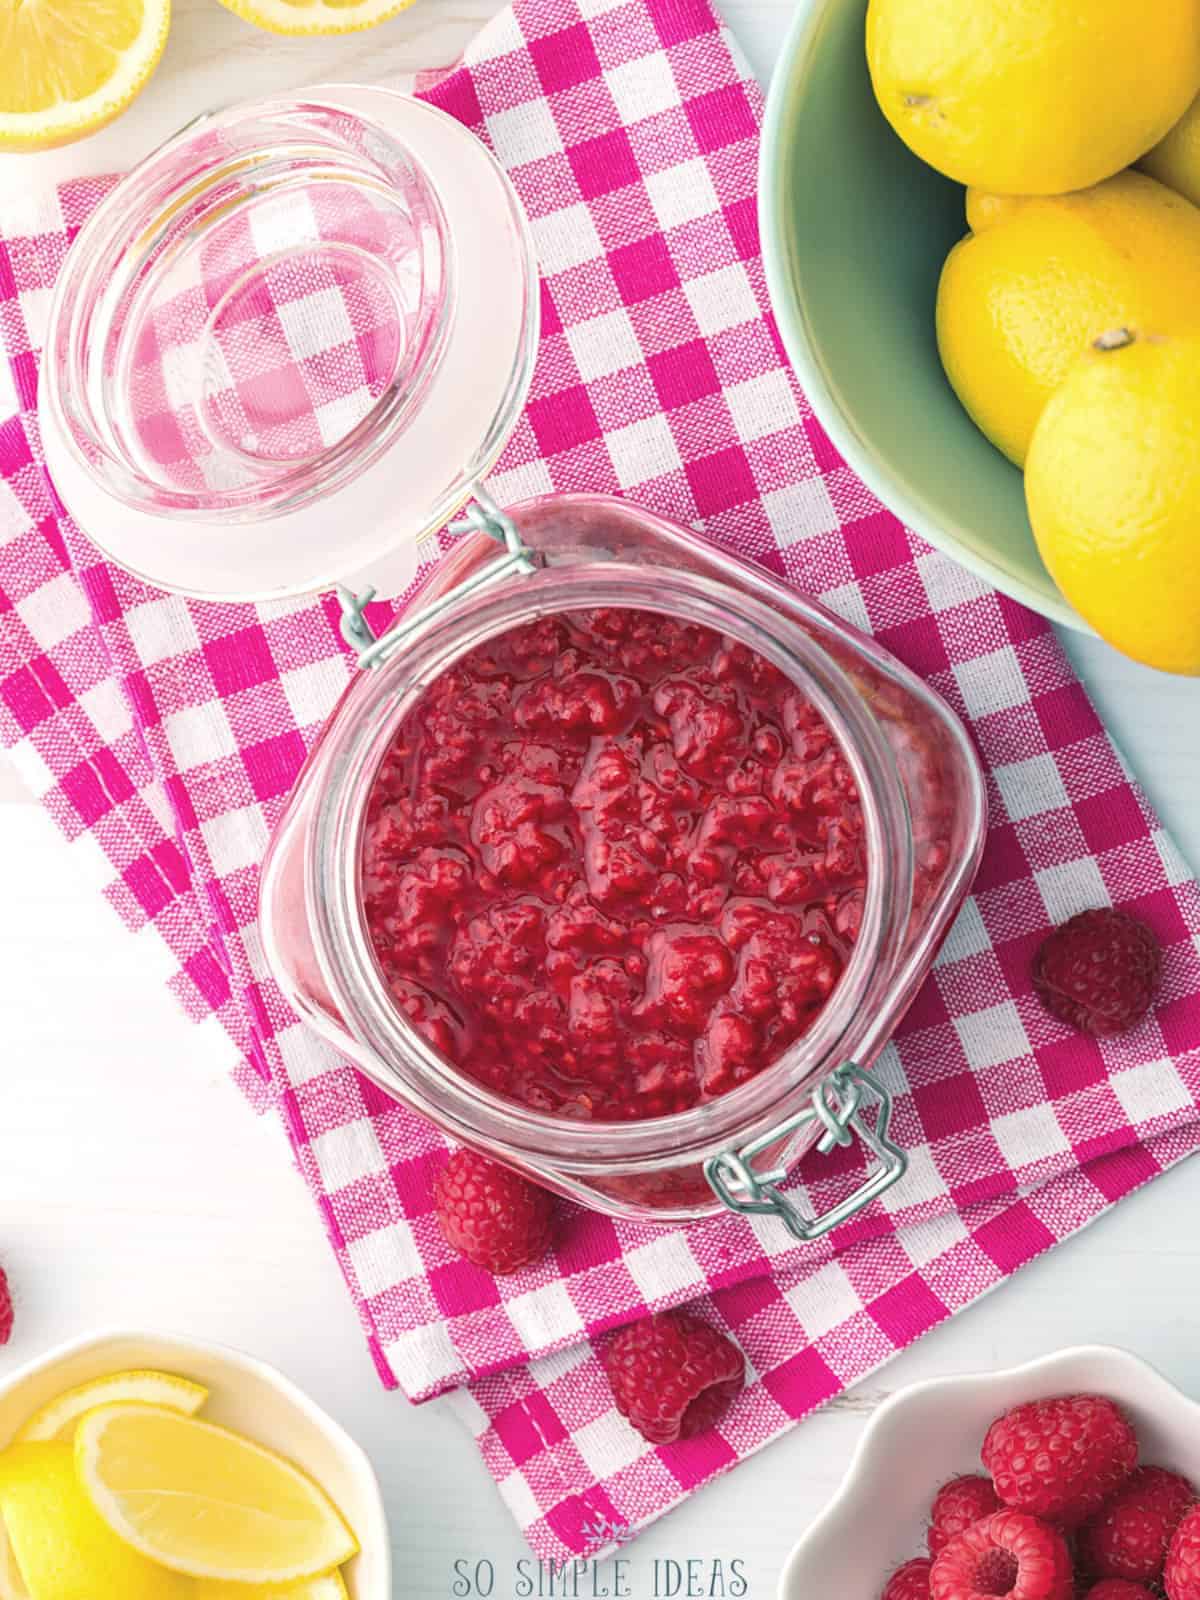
<point>613,864</point>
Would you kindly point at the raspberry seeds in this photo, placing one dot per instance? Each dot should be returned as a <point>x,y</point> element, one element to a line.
<point>1060,1459</point>
<point>909,1582</point>
<point>1129,1537</point>
<point>490,1214</point>
<point>957,1506</point>
<point>1099,971</point>
<point>1008,1554</point>
<point>1181,1574</point>
<point>673,1375</point>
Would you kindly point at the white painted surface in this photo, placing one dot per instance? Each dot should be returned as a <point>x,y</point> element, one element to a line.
<point>135,1188</point>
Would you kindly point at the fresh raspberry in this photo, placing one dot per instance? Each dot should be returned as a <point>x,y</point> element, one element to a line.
<point>1100,971</point>
<point>1060,1459</point>
<point>1129,1535</point>
<point>957,1506</point>
<point>1181,1575</point>
<point>491,1215</point>
<point>1119,1589</point>
<point>909,1582</point>
<point>673,1375</point>
<point>1007,1555</point>
<point>6,1310</point>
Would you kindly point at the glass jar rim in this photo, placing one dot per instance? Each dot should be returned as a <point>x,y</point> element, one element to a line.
<point>341,939</point>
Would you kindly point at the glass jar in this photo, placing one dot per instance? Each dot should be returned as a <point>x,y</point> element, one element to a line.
<point>923,803</point>
<point>285,346</point>
<point>198,423</point>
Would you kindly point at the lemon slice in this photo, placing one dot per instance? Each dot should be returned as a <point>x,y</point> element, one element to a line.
<point>64,1550</point>
<point>57,1419</point>
<point>12,1585</point>
<point>327,1587</point>
<point>204,1501</point>
<point>69,66</point>
<point>315,16</point>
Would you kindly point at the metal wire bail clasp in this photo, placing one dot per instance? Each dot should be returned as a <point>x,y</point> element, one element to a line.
<point>835,1104</point>
<point>482,515</point>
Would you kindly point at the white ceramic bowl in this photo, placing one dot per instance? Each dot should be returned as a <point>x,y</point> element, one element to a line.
<point>245,1394</point>
<point>933,1431</point>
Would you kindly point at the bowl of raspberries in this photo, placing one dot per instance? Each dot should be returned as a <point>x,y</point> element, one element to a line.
<point>1076,1477</point>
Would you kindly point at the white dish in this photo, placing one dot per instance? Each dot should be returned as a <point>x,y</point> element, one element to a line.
<point>933,1431</point>
<point>245,1394</point>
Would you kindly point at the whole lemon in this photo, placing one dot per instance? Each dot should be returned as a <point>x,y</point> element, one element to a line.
<point>1023,295</point>
<point>1033,96</point>
<point>1175,160</point>
<point>1113,486</point>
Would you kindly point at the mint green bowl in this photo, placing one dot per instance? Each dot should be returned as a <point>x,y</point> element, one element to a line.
<point>855,230</point>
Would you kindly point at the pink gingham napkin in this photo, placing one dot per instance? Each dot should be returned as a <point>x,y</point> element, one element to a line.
<point>164,737</point>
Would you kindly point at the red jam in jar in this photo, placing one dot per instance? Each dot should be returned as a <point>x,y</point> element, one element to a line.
<point>613,864</point>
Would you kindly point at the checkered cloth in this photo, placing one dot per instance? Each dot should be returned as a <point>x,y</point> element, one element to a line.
<point>164,736</point>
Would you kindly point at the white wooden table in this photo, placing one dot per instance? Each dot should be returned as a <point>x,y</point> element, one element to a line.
<point>136,1189</point>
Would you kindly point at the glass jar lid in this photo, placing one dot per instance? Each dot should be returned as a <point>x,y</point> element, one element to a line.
<point>285,347</point>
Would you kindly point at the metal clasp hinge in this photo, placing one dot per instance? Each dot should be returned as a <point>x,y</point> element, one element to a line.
<point>482,515</point>
<point>835,1104</point>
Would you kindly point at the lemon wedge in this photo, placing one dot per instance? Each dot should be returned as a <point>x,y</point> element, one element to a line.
<point>204,1501</point>
<point>64,1550</point>
<point>327,1587</point>
<point>12,1585</point>
<point>69,66</point>
<point>315,16</point>
<point>57,1419</point>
